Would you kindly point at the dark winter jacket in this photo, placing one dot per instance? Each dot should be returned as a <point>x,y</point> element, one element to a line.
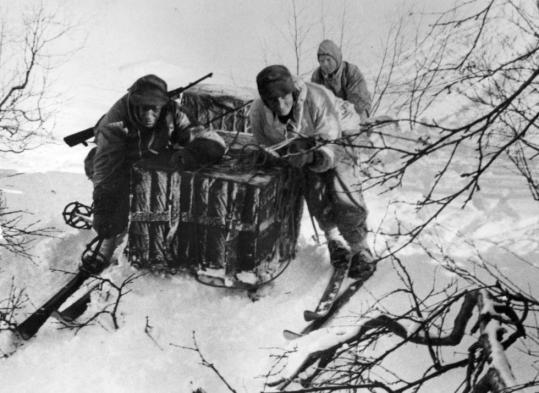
<point>121,142</point>
<point>347,82</point>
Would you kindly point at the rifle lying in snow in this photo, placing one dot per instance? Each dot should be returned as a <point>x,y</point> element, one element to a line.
<point>84,135</point>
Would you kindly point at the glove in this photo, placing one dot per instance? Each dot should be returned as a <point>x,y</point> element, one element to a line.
<point>196,131</point>
<point>206,148</point>
<point>299,153</point>
<point>182,137</point>
<point>300,159</point>
<point>323,160</point>
<point>176,159</point>
<point>185,159</point>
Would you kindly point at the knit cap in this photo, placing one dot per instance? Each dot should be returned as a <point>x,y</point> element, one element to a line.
<point>274,81</point>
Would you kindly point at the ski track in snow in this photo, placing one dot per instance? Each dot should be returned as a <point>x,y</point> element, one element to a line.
<point>161,314</point>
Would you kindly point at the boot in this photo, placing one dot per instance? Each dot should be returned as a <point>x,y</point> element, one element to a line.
<point>339,252</point>
<point>362,265</point>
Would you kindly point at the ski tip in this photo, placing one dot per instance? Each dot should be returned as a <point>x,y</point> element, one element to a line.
<point>309,315</point>
<point>65,321</point>
<point>290,335</point>
<point>75,310</point>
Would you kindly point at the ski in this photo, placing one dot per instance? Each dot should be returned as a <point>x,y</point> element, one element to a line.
<point>31,325</point>
<point>340,272</point>
<point>339,302</point>
<point>93,263</point>
<point>77,308</point>
<point>290,335</point>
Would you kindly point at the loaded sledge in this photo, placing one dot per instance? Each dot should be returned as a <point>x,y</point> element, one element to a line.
<point>233,224</point>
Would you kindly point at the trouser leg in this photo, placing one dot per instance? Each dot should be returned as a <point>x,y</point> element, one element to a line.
<point>337,203</point>
<point>350,211</point>
<point>317,196</point>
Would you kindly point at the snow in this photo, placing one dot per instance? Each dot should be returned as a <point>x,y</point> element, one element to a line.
<point>9,341</point>
<point>234,333</point>
<point>317,341</point>
<point>160,315</point>
<point>498,358</point>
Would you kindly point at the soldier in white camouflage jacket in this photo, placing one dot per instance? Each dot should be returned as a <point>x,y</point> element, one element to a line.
<point>305,112</point>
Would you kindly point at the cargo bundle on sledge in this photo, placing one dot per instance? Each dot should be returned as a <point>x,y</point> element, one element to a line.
<point>229,224</point>
<point>205,102</point>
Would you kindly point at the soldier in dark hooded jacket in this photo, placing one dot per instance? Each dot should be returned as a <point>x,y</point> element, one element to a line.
<point>344,79</point>
<point>139,125</point>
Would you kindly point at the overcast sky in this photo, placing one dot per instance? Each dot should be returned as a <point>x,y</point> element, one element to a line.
<point>181,40</point>
<point>113,42</point>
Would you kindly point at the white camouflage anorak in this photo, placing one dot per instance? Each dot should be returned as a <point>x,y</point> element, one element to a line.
<point>316,112</point>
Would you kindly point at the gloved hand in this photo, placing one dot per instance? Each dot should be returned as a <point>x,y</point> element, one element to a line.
<point>176,159</point>
<point>196,131</point>
<point>300,159</point>
<point>182,137</point>
<point>299,153</point>
<point>206,148</point>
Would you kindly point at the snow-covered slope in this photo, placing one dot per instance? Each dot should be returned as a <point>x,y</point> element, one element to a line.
<point>160,316</point>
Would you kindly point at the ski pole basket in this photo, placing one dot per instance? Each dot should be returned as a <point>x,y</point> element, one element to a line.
<point>78,215</point>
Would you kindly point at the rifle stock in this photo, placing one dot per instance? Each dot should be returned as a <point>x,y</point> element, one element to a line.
<point>84,135</point>
<point>79,137</point>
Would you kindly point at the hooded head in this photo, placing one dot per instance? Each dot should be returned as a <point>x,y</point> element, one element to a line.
<point>149,90</point>
<point>276,87</point>
<point>148,96</point>
<point>329,49</point>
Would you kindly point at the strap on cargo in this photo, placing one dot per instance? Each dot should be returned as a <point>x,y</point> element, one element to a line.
<point>151,216</point>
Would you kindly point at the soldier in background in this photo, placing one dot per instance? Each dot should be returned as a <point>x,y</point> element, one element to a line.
<point>344,79</point>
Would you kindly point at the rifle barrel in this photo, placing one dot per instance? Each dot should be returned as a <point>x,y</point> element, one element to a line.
<point>179,90</point>
<point>84,135</point>
<point>230,111</point>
